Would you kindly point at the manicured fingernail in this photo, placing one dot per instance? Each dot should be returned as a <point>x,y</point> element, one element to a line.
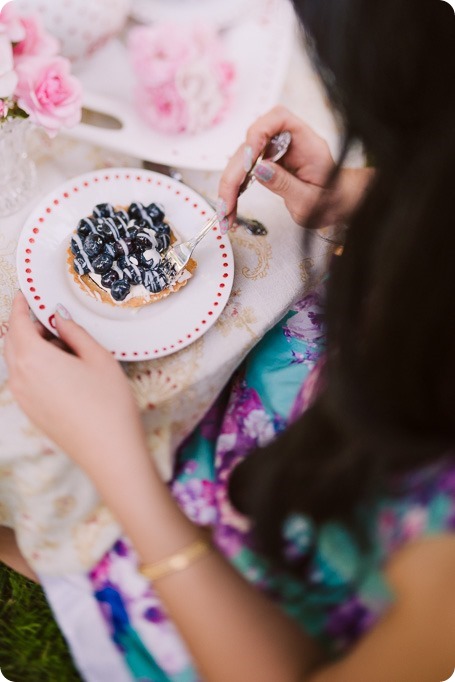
<point>62,311</point>
<point>263,172</point>
<point>224,225</point>
<point>247,158</point>
<point>221,209</point>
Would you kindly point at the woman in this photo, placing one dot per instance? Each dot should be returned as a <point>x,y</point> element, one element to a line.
<point>353,505</point>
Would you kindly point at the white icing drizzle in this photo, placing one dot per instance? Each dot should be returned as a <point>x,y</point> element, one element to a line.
<point>144,215</point>
<point>150,234</point>
<point>110,249</point>
<point>124,246</point>
<point>91,225</point>
<point>97,211</point>
<point>134,267</point>
<point>153,257</point>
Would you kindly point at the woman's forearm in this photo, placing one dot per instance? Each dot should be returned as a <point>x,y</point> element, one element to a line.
<point>232,630</point>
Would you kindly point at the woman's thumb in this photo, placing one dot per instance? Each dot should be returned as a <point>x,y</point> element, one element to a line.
<point>73,335</point>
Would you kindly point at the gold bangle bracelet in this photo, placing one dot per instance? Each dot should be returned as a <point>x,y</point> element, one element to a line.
<point>176,562</point>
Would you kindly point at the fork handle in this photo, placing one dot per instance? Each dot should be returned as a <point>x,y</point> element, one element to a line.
<point>192,243</point>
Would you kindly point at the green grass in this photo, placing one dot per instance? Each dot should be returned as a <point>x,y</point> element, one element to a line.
<point>32,648</point>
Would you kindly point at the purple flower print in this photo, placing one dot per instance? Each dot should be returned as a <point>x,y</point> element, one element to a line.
<point>190,467</point>
<point>414,523</point>
<point>121,548</point>
<point>348,621</point>
<point>308,324</point>
<point>259,427</point>
<point>311,300</point>
<point>302,327</point>
<point>154,615</point>
<point>196,498</point>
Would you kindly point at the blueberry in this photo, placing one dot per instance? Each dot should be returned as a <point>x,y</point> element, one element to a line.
<point>93,245</point>
<point>112,228</point>
<point>80,266</point>
<point>150,259</point>
<point>102,263</point>
<point>155,212</point>
<point>144,241</point>
<point>118,248</point>
<point>132,232</point>
<point>129,244</point>
<point>120,289</point>
<point>145,222</point>
<point>121,213</point>
<point>108,279</point>
<point>85,227</point>
<point>163,241</point>
<point>75,247</point>
<point>136,210</point>
<point>123,262</point>
<point>106,228</point>
<point>162,228</point>
<point>103,211</point>
<point>134,275</point>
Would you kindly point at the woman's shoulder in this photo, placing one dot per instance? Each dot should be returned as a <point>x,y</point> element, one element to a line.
<point>348,588</point>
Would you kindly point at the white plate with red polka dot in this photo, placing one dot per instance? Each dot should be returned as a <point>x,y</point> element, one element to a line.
<point>154,330</point>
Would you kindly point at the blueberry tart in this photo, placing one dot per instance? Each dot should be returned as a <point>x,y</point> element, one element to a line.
<point>117,253</point>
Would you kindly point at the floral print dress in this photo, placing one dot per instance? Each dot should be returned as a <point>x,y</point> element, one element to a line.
<point>343,592</point>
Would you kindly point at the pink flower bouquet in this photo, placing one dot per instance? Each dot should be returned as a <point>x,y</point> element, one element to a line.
<point>35,83</point>
<point>183,82</point>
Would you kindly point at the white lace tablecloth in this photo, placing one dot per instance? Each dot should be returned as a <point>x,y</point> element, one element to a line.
<point>60,523</point>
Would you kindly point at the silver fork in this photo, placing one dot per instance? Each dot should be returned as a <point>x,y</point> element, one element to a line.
<point>178,256</point>
<point>252,226</point>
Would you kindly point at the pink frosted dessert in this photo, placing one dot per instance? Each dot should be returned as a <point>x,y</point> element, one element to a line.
<point>184,83</point>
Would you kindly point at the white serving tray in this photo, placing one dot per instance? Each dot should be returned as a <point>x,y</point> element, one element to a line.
<point>260,48</point>
<point>220,12</point>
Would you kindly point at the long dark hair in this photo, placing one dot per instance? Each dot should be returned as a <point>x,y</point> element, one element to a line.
<point>388,400</point>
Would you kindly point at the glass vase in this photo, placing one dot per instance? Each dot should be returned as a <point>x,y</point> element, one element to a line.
<point>17,169</point>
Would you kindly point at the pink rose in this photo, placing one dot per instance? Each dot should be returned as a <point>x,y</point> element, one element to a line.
<point>8,77</point>
<point>48,93</point>
<point>162,108</point>
<point>226,74</point>
<point>3,109</point>
<point>11,24</point>
<point>184,83</point>
<point>36,40</point>
<point>157,52</point>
